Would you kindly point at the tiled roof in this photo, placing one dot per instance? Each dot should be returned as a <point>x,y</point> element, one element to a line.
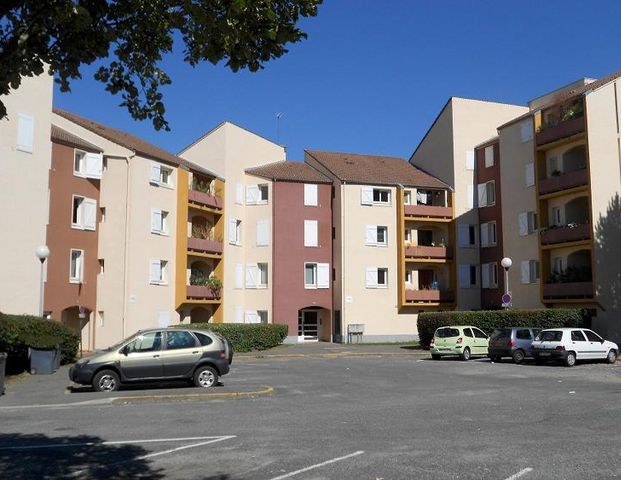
<point>375,170</point>
<point>289,172</point>
<point>62,136</point>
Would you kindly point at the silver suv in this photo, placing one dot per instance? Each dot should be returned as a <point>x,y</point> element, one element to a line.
<point>156,355</point>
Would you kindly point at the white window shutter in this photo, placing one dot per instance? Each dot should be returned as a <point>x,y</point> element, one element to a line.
<point>251,316</point>
<point>485,268</point>
<point>252,274</point>
<point>239,275</point>
<point>530,174</point>
<point>464,276</point>
<point>156,220</point>
<point>323,275</point>
<point>463,234</point>
<point>489,156</point>
<point>89,210</point>
<point>484,235</point>
<point>262,233</point>
<point>155,270</point>
<point>239,194</point>
<point>25,133</point>
<point>526,130</point>
<point>371,235</point>
<point>482,197</point>
<point>366,196</point>
<point>239,314</point>
<point>371,277</point>
<point>523,223</point>
<point>470,203</point>
<point>310,195</point>
<point>310,233</point>
<point>252,194</point>
<point>469,159</point>
<point>233,230</point>
<point>155,173</point>
<point>94,165</point>
<point>525,271</point>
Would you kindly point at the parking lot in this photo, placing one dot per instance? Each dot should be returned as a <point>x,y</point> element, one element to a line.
<point>369,416</point>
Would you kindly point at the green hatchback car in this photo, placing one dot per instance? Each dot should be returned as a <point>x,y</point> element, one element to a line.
<point>463,341</point>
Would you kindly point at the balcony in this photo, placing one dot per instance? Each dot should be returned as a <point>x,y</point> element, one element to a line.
<point>568,290</point>
<point>568,233</point>
<point>204,199</point>
<point>561,130</point>
<point>423,251</point>
<point>429,296</point>
<point>430,211</point>
<point>204,246</point>
<point>200,292</point>
<point>565,181</point>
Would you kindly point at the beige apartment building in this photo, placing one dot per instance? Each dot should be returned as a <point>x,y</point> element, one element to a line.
<point>25,155</point>
<point>447,151</point>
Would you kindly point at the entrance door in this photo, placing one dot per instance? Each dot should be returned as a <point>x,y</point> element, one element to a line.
<point>308,326</point>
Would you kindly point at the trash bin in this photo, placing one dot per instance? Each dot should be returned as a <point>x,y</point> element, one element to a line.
<point>2,367</point>
<point>42,361</point>
<point>57,358</point>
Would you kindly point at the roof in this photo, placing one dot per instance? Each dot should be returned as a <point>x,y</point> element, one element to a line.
<point>375,170</point>
<point>289,172</point>
<point>59,135</point>
<point>489,141</point>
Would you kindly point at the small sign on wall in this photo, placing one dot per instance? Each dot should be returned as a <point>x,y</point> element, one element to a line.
<point>349,299</point>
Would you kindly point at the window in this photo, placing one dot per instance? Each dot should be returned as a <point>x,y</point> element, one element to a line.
<point>489,275</point>
<point>469,159</point>
<point>468,333</point>
<point>256,275</point>
<point>467,276</point>
<point>489,156</point>
<point>577,336</point>
<point>262,233</point>
<point>235,231</point>
<point>262,314</point>
<point>466,235</point>
<point>146,342</point>
<point>100,318</point>
<point>316,275</point>
<point>592,336</point>
<point>529,271</point>
<point>157,272</point>
<point>203,339</point>
<point>381,196</point>
<point>262,278</point>
<point>526,130</point>
<point>84,213</point>
<point>374,196</point>
<point>76,266</point>
<point>263,193</point>
<point>377,277</point>
<point>376,235</point>
<point>529,179</point>
<point>487,194</point>
<point>87,165</point>
<point>176,340</point>
<point>523,334</point>
<point>257,194</point>
<point>557,218</point>
<point>102,265</point>
<point>478,333</point>
<point>161,175</point>
<point>488,234</point>
<point>553,167</point>
<point>158,221</point>
<point>527,223</point>
<point>382,236</point>
<point>310,233</point>
<point>25,133</point>
<point>557,265</point>
<point>102,213</point>
<point>407,197</point>
<point>310,275</point>
<point>310,195</point>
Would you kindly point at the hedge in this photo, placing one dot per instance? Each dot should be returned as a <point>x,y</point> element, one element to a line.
<point>488,320</point>
<point>18,332</point>
<point>246,337</point>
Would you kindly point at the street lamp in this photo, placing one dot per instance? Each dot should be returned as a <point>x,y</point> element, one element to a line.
<point>42,252</point>
<point>506,264</point>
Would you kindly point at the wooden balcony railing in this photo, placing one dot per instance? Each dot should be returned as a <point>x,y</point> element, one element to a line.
<point>205,246</point>
<point>561,130</point>
<point>566,234</point>
<point>199,292</point>
<point>422,251</point>
<point>430,211</point>
<point>205,199</point>
<point>435,296</point>
<point>565,181</point>
<point>568,290</point>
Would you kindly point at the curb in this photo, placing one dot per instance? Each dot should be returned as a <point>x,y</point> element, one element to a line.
<point>189,396</point>
<point>328,355</point>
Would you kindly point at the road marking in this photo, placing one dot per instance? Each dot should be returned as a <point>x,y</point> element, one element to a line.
<point>318,465</point>
<point>519,474</point>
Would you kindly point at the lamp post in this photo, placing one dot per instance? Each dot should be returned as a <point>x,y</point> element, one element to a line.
<point>506,264</point>
<point>42,252</point>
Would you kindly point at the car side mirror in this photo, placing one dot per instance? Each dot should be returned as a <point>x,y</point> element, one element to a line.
<point>125,350</point>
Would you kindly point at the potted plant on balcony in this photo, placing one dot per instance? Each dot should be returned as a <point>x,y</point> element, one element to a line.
<point>215,285</point>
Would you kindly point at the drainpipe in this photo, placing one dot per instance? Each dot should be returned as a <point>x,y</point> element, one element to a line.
<point>126,243</point>
<point>343,303</point>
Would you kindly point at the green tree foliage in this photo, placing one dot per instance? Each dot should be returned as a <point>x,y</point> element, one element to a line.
<point>130,37</point>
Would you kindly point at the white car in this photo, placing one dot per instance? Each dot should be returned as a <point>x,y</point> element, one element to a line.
<point>571,344</point>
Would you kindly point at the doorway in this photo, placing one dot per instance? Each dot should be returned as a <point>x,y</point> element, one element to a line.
<point>308,326</point>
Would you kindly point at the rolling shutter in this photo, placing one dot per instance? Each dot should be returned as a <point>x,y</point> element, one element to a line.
<point>323,275</point>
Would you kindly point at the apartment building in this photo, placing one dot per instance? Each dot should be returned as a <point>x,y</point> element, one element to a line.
<point>247,254</point>
<point>25,156</point>
<point>377,291</point>
<point>447,151</point>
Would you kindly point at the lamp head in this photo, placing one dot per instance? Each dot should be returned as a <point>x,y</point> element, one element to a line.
<point>42,252</point>
<point>506,263</point>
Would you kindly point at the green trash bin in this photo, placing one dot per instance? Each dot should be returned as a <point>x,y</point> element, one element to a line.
<point>2,369</point>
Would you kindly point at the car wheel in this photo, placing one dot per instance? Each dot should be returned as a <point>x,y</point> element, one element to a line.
<point>465,356</point>
<point>435,356</point>
<point>570,359</point>
<point>205,377</point>
<point>611,357</point>
<point>518,356</point>
<point>106,381</point>
<point>496,358</point>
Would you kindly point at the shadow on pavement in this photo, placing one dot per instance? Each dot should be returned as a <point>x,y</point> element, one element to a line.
<point>146,386</point>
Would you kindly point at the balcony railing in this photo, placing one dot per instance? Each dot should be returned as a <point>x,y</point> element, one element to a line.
<point>435,296</point>
<point>206,246</point>
<point>205,199</point>
<point>565,181</point>
<point>199,292</point>
<point>563,129</point>
<point>423,251</point>
<point>566,234</point>
<point>568,290</point>
<point>431,211</point>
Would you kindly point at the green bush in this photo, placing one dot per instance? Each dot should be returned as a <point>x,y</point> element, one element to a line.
<point>488,320</point>
<point>246,337</point>
<point>18,332</point>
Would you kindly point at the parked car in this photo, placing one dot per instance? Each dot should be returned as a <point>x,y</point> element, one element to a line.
<point>571,344</point>
<point>463,341</point>
<point>514,342</point>
<point>156,355</point>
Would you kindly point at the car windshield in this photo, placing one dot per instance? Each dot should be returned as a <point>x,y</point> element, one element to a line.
<point>501,333</point>
<point>550,336</point>
<point>447,332</point>
<point>118,345</point>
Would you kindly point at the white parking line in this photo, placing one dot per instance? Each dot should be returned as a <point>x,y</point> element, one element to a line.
<point>519,474</point>
<point>317,465</point>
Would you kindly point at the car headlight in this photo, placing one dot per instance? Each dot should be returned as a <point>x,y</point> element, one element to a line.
<point>81,363</point>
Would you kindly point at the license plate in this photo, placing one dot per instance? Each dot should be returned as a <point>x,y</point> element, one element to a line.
<point>544,354</point>
<point>445,349</point>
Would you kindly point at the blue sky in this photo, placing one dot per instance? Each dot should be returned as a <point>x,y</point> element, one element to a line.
<point>373,75</point>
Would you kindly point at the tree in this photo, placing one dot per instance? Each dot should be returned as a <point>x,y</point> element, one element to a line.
<point>130,37</point>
